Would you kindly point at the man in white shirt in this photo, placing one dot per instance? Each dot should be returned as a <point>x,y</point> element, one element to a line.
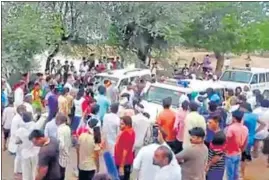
<point>51,129</point>
<point>28,103</point>
<point>263,114</point>
<point>163,158</point>
<point>182,98</point>
<point>69,82</point>
<point>13,146</point>
<point>144,169</point>
<point>8,114</point>
<point>111,125</point>
<point>18,95</point>
<point>65,142</point>
<point>141,124</point>
<point>29,152</point>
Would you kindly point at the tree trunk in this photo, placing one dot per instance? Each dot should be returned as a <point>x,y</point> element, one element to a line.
<point>50,57</point>
<point>220,62</point>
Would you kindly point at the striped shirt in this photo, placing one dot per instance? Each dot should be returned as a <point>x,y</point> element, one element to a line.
<point>65,144</point>
<point>217,150</point>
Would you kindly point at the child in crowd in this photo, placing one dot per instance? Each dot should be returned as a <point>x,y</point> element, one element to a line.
<point>216,157</point>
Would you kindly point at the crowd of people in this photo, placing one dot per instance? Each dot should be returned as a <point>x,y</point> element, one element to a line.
<point>207,136</point>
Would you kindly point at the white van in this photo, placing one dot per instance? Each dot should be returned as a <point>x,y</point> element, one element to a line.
<point>254,78</point>
<point>121,78</point>
<point>156,92</point>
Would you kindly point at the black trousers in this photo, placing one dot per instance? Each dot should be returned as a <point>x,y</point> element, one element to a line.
<point>85,175</point>
<point>176,146</point>
<point>127,172</point>
<point>62,171</point>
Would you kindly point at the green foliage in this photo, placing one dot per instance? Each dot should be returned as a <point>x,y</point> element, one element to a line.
<point>27,33</point>
<point>141,26</point>
<point>228,27</point>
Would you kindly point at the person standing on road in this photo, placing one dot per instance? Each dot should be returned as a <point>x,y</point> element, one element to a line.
<point>19,94</point>
<point>166,121</point>
<point>143,166</point>
<point>111,128</point>
<point>193,158</point>
<point>124,146</point>
<point>52,103</point>
<point>28,151</point>
<point>28,103</point>
<point>65,142</point>
<point>48,156</point>
<point>88,149</point>
<point>216,155</point>
<point>13,146</point>
<point>193,119</point>
<point>7,117</point>
<point>179,125</point>
<point>63,103</point>
<point>163,157</point>
<point>103,102</point>
<point>141,125</point>
<point>78,110</point>
<point>236,142</point>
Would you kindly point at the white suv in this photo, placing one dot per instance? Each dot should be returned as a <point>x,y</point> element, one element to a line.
<point>121,78</point>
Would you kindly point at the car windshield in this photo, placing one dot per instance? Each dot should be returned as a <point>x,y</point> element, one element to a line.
<point>101,79</point>
<point>236,76</point>
<point>157,94</point>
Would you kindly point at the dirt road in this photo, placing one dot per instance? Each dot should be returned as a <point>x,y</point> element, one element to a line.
<point>257,169</point>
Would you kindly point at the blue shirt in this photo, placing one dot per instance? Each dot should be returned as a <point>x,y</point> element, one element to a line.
<point>104,104</point>
<point>250,121</point>
<point>52,105</point>
<point>4,99</point>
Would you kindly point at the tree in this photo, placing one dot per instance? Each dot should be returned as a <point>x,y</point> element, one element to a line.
<point>140,27</point>
<point>226,27</point>
<point>26,32</point>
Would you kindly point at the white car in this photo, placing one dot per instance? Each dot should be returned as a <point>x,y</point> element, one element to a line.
<point>121,78</point>
<point>156,92</point>
<point>254,78</point>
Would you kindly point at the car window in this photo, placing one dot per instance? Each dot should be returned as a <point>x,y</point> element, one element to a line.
<point>254,79</point>
<point>123,84</point>
<point>267,77</point>
<point>266,94</point>
<point>262,78</point>
<point>146,77</point>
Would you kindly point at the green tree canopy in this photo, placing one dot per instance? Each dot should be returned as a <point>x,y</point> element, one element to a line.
<point>26,33</point>
<point>226,27</point>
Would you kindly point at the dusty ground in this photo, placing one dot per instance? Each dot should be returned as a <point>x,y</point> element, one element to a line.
<point>257,169</point>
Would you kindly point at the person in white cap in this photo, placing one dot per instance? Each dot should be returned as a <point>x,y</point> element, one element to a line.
<point>28,98</point>
<point>141,125</point>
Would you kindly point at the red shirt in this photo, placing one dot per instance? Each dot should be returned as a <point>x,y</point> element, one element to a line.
<point>125,141</point>
<point>114,64</point>
<point>86,105</point>
<point>236,138</point>
<point>80,130</point>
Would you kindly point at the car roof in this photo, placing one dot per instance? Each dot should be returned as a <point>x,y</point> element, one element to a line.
<point>252,69</point>
<point>125,73</point>
<point>194,85</point>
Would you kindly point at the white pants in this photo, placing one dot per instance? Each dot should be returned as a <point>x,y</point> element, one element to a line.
<point>29,166</point>
<point>17,164</point>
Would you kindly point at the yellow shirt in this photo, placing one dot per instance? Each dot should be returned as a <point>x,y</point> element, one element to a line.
<point>87,149</point>
<point>192,120</point>
<point>69,99</point>
<point>63,105</point>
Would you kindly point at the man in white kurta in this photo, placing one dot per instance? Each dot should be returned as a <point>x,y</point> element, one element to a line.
<point>29,152</point>
<point>13,146</point>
